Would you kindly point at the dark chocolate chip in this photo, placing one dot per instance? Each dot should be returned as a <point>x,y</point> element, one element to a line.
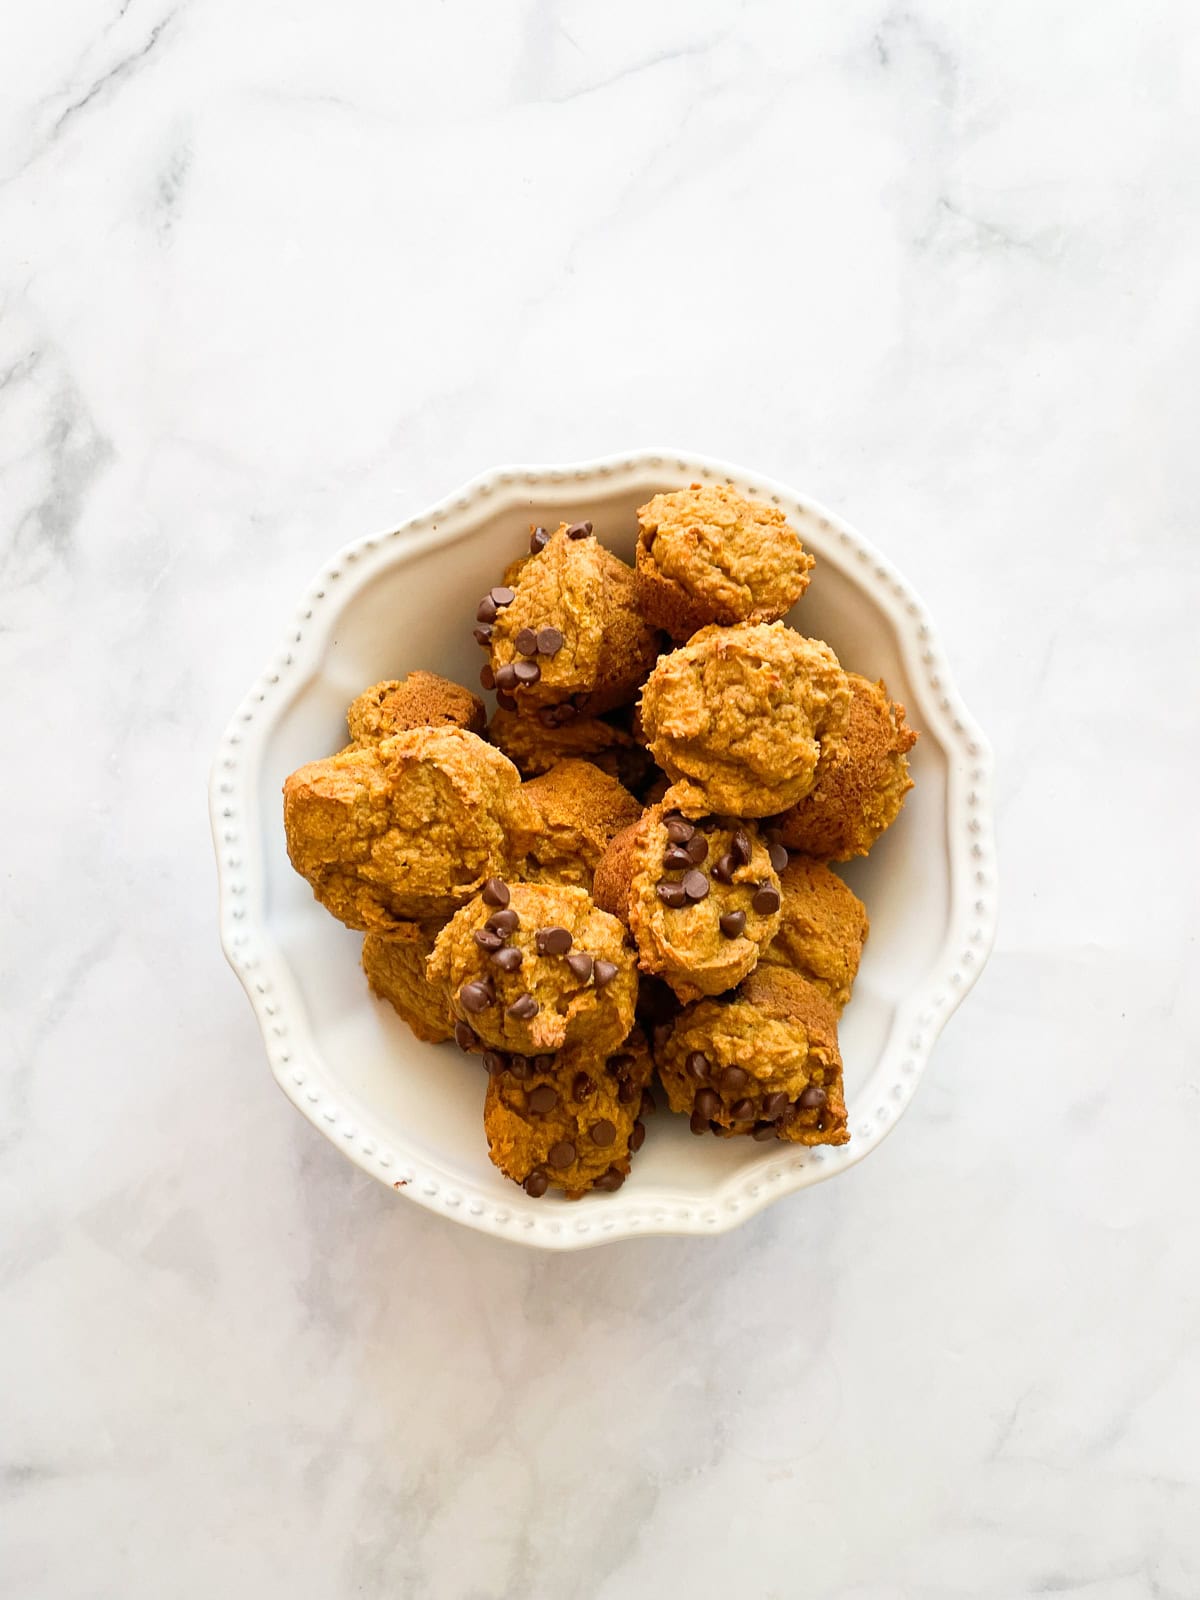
<point>732,1079</point>
<point>676,856</point>
<point>549,641</point>
<point>561,1154</point>
<point>487,678</point>
<point>503,922</point>
<point>733,924</point>
<point>603,972</point>
<point>552,941</point>
<point>523,1008</point>
<point>723,869</point>
<point>679,831</point>
<point>526,642</point>
<point>812,1097</point>
<point>581,1086</point>
<point>697,849</point>
<point>495,892</point>
<point>743,1110</point>
<point>778,856</point>
<point>493,1060</point>
<point>566,713</point>
<point>538,540</point>
<point>609,1182</point>
<point>662,1032</point>
<point>698,1065</point>
<point>508,958</point>
<point>708,1102</point>
<point>637,1136</point>
<point>464,1036</point>
<point>765,1130</point>
<point>506,702</point>
<point>536,1184</point>
<point>475,997</point>
<point>486,610</point>
<point>649,1103</point>
<point>603,1132</point>
<point>501,596</point>
<point>579,530</point>
<point>774,1105</point>
<point>766,900</point>
<point>548,716</point>
<point>506,676</point>
<point>618,1065</point>
<point>483,636</point>
<point>672,895</point>
<point>487,939</point>
<point>580,964</point>
<point>741,847</point>
<point>527,672</point>
<point>695,884</point>
<point>698,1122</point>
<point>543,1063</point>
<point>627,1092</point>
<point>519,1066</point>
<point>543,1099</point>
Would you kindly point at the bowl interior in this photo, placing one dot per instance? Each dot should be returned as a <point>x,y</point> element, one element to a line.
<point>402,607</point>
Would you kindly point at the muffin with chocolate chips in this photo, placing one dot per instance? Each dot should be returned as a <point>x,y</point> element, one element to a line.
<point>531,968</point>
<point>705,555</point>
<point>534,747</point>
<point>579,810</point>
<point>569,1121</point>
<point>822,929</point>
<point>739,718</point>
<point>422,700</point>
<point>861,781</point>
<point>395,968</point>
<point>565,639</point>
<point>701,898</point>
<point>763,1060</point>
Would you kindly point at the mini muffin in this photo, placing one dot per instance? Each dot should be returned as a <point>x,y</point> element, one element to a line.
<point>822,929</point>
<point>566,636</point>
<point>395,969</point>
<point>422,700</point>
<point>579,811</point>
<point>531,968</point>
<point>407,829</point>
<point>569,1121</point>
<point>705,555</point>
<point>535,743</point>
<point>763,1061</point>
<point>738,718</point>
<point>701,898</point>
<point>860,783</point>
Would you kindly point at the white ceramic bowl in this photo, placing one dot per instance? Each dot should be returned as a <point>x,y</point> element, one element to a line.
<point>410,1113</point>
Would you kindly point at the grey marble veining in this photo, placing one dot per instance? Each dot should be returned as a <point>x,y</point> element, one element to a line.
<point>274,275</point>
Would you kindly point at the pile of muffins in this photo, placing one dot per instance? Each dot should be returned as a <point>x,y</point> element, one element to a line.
<point>625,872</point>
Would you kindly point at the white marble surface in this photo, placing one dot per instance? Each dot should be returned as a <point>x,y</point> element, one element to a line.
<point>272,275</point>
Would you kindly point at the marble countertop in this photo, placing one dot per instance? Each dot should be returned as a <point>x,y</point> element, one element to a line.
<point>274,275</point>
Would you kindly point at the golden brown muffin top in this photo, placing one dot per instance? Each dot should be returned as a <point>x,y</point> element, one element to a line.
<point>822,929</point>
<point>395,967</point>
<point>579,810</point>
<point>421,700</point>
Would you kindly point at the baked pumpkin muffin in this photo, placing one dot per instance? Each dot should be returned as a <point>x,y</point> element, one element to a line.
<point>422,700</point>
<point>570,1121</point>
<point>739,717</point>
<point>579,811</point>
<point>407,829</point>
<point>566,635</point>
<point>763,1060</point>
<point>395,969</point>
<point>705,555</point>
<point>532,968</point>
<point>861,780</point>
<point>535,743</point>
<point>822,929</point>
<point>701,898</point>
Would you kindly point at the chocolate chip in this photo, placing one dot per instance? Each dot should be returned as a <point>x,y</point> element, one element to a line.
<point>566,713</point>
<point>610,1181</point>
<point>508,958</point>
<point>676,856</point>
<point>524,1008</point>
<point>649,1103</point>
<point>552,941</point>
<point>695,884</point>
<point>765,1130</point>
<point>698,1122</point>
<point>581,1086</point>
<point>487,678</point>
<point>475,997</point>
<point>501,596</point>
<point>483,636</point>
<point>662,1032</point>
<point>774,1105</point>
<point>766,900</point>
<point>543,1099</point>
<point>603,972</point>
<point>526,642</point>
<point>538,540</point>
<point>637,1136</point>
<point>543,1063</point>
<point>732,1079</point>
<point>741,847</point>
<point>679,831</point>
<point>618,1065</point>
<point>697,849</point>
<point>603,1132</point>
<point>742,1110</point>
<point>548,716</point>
<point>778,856</point>
<point>723,869</point>
<point>527,672</point>
<point>464,1036</point>
<point>698,1065</point>
<point>536,1184</point>
<point>812,1097</point>
<point>672,895</point>
<point>733,924</point>
<point>486,939</point>
<point>627,1091</point>
<point>519,1066</point>
<point>486,610</point>
<point>503,922</point>
<point>506,702</point>
<point>580,964</point>
<point>579,530</point>
<point>708,1102</point>
<point>561,1154</point>
<point>495,892</point>
<point>493,1060</point>
<point>549,641</point>
<point>506,676</point>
